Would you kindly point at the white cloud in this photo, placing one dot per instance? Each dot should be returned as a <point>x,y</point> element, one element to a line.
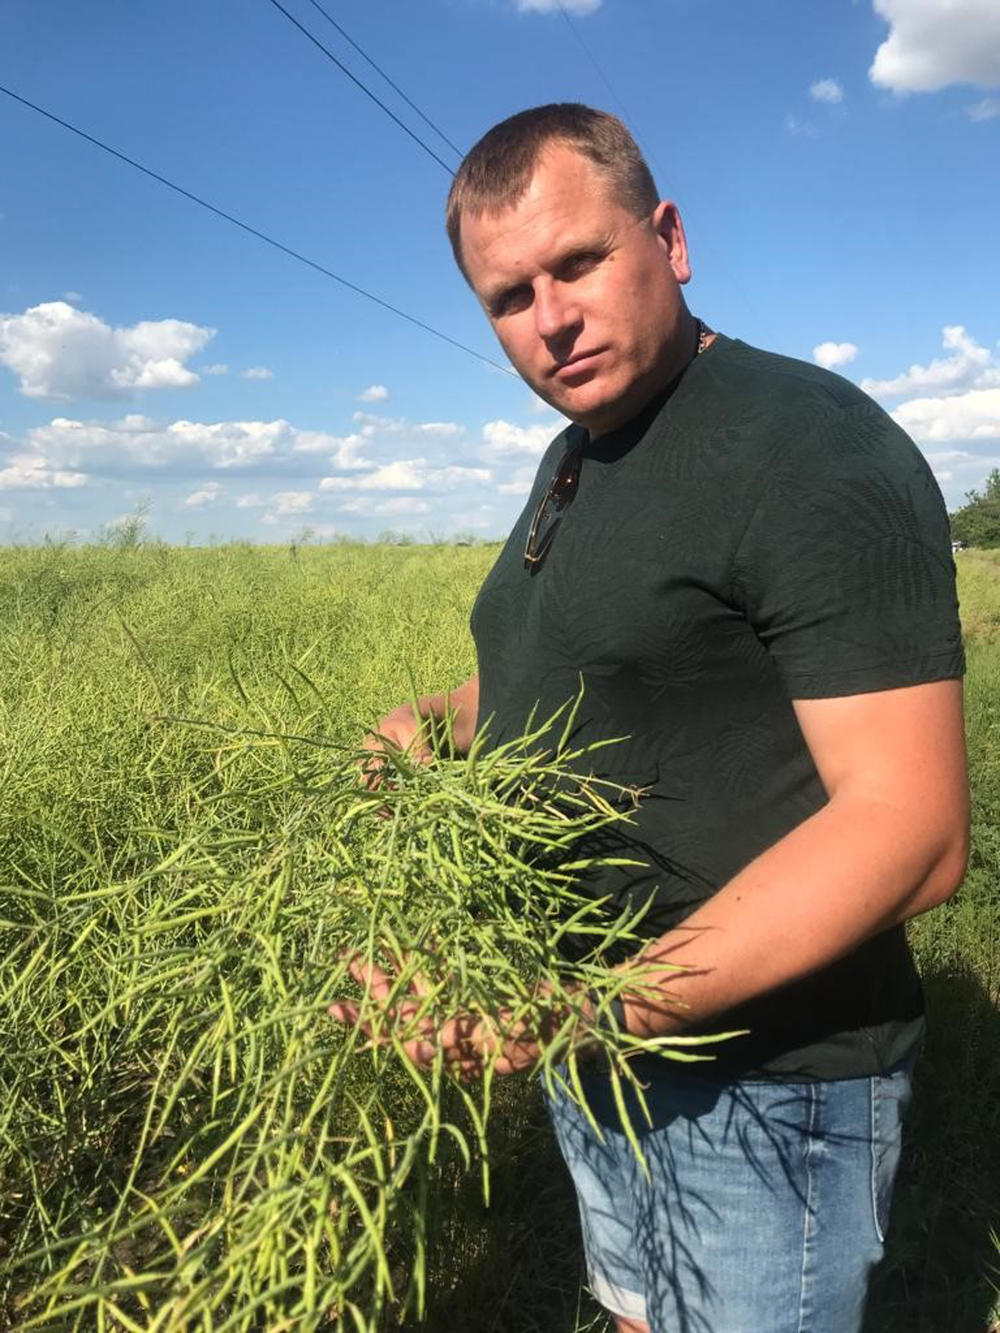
<point>344,451</point>
<point>375,393</point>
<point>403,475</point>
<point>387,468</point>
<point>952,456</point>
<point>961,460</point>
<point>504,438</point>
<point>987,109</point>
<point>367,506</point>
<point>389,453</point>
<point>293,502</point>
<point>217,369</point>
<point>138,442</point>
<point>934,43</point>
<point>577,8</point>
<point>457,476</point>
<point>409,474</point>
<point>208,494</point>
<point>60,352</point>
<point>375,434</point>
<point>801,128</point>
<point>520,483</point>
<point>961,470</point>
<point>326,531</point>
<point>834,354</point>
<point>954,400</point>
<point>74,298</point>
<point>826,90</point>
<point>257,373</point>
<point>347,453</point>
<point>29,472</point>
<point>445,429</point>
<point>970,367</point>
<point>282,504</point>
<point>468,523</point>
<point>371,426</point>
<point>970,416</point>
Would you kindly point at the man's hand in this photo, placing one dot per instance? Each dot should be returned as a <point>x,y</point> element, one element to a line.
<point>402,730</point>
<point>466,1044</point>
<point>408,728</point>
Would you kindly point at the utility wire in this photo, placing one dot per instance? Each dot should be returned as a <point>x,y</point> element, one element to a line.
<point>379,70</point>
<point>364,88</point>
<point>261,236</point>
<point>593,60</point>
<point>734,283</point>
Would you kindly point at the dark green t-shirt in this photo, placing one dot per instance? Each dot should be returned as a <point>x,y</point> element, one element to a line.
<point>762,532</point>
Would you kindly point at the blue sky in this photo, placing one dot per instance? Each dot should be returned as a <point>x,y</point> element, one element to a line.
<point>837,166</point>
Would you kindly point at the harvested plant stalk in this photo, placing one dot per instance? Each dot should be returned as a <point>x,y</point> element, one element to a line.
<point>187,1140</point>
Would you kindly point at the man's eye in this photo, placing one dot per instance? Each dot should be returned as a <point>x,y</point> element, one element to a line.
<point>511,302</point>
<point>578,265</point>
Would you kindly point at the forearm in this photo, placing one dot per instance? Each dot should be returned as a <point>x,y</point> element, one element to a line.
<point>852,870</point>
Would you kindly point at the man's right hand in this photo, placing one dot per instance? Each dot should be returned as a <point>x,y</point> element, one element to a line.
<point>408,728</point>
<point>402,729</point>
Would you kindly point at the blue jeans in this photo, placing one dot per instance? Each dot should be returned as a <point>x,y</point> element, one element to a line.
<point>765,1207</point>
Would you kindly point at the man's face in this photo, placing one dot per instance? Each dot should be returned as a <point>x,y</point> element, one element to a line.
<point>584,297</point>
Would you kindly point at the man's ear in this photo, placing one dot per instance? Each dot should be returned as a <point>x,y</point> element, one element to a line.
<point>669,228</point>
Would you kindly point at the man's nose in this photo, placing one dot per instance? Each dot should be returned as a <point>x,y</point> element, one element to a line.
<point>557,312</point>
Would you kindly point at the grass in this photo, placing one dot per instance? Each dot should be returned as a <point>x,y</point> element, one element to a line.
<point>942,1267</point>
<point>185,856</point>
<point>979,587</point>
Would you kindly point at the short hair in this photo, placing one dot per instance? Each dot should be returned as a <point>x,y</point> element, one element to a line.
<point>497,171</point>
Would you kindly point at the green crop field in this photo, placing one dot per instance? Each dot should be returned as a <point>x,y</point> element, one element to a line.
<point>187,1141</point>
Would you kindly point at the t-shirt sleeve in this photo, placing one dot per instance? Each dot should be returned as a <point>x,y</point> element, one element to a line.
<point>845,570</point>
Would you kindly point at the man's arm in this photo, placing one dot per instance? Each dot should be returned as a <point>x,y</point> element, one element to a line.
<point>405,727</point>
<point>891,842</point>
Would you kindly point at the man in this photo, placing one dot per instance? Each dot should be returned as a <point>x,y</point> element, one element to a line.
<point>748,564</point>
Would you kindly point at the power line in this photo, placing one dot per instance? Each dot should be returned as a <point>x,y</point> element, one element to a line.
<point>378,68</point>
<point>734,283</point>
<point>593,60</point>
<point>253,231</point>
<point>364,88</point>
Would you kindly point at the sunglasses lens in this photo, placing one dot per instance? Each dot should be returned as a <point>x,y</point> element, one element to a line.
<point>561,490</point>
<point>566,480</point>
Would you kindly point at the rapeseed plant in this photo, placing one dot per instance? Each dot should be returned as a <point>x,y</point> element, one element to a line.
<point>193,1141</point>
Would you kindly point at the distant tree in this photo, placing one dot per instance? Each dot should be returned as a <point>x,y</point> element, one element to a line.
<point>977,523</point>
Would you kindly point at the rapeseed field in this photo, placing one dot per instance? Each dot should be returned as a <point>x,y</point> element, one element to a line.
<point>187,859</point>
